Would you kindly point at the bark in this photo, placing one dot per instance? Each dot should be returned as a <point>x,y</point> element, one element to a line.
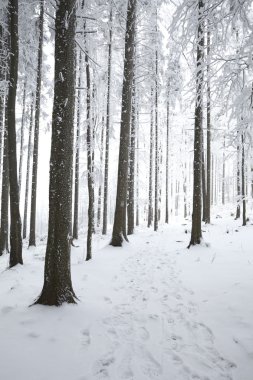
<point>29,149</point>
<point>21,153</point>
<point>32,237</point>
<point>100,179</point>
<point>156,144</point>
<point>137,222</point>
<point>57,287</point>
<point>131,187</point>
<point>167,164</point>
<point>208,135</point>
<point>244,220</point>
<point>238,183</point>
<point>223,173</point>
<point>203,177</point>
<point>196,233</point>
<point>15,227</point>
<point>4,243</point>
<point>151,166</point>
<point>90,161</point>
<point>107,133</point>
<point>119,225</point>
<point>77,155</point>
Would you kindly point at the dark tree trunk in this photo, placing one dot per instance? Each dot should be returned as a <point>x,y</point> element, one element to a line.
<point>29,148</point>
<point>15,227</point>
<point>107,133</point>
<point>137,218</point>
<point>223,173</point>
<point>90,161</point>
<point>77,155</point>
<point>151,165</point>
<point>196,233</point>
<point>57,287</point>
<point>119,226</point>
<point>131,179</point>
<point>244,220</point>
<point>4,241</point>
<point>167,164</point>
<point>32,236</point>
<point>203,177</point>
<point>208,135</point>
<point>22,138</point>
<point>100,179</point>
<point>156,144</point>
<point>238,182</point>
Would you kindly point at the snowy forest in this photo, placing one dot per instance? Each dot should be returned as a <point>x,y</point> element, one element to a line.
<point>126,189</point>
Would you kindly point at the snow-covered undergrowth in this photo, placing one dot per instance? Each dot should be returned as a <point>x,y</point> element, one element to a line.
<point>150,310</point>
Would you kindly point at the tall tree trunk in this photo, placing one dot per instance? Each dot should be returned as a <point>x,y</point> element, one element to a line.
<point>223,173</point>
<point>196,233</point>
<point>4,238</point>
<point>156,144</point>
<point>151,166</point>
<point>131,180</point>
<point>208,133</point>
<point>90,161</point>
<point>15,228</point>
<point>203,178</point>
<point>57,287</point>
<point>119,226</point>
<point>100,179</point>
<point>22,138</point>
<point>238,181</point>
<point>137,218</point>
<point>29,148</point>
<point>32,237</point>
<point>77,155</point>
<point>167,163</point>
<point>107,133</point>
<point>244,220</point>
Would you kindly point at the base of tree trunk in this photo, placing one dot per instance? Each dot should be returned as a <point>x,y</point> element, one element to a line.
<point>52,297</point>
<point>117,240</point>
<point>194,242</point>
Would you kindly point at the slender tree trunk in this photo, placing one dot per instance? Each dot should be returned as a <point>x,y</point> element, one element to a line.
<point>208,135</point>
<point>196,233</point>
<point>32,237</point>
<point>15,228</point>
<point>119,226</point>
<point>203,177</point>
<point>223,173</point>
<point>100,179</point>
<point>89,162</point>
<point>238,182</point>
<point>137,218</point>
<point>57,287</point>
<point>107,133</point>
<point>151,165</point>
<point>156,144</point>
<point>167,164</point>
<point>4,243</point>
<point>29,149</point>
<point>22,138</point>
<point>131,187</point>
<point>244,220</point>
<point>77,155</point>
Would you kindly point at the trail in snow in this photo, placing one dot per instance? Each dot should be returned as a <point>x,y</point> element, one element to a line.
<point>149,310</point>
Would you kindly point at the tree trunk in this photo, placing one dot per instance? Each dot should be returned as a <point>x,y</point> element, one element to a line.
<point>90,162</point>
<point>107,133</point>
<point>131,187</point>
<point>119,226</point>
<point>238,184</point>
<point>4,238</point>
<point>57,287</point>
<point>22,139</point>
<point>32,237</point>
<point>137,218</point>
<point>167,164</point>
<point>196,233</point>
<point>223,173</point>
<point>156,143</point>
<point>151,143</point>
<point>77,155</point>
<point>203,178</point>
<point>29,149</point>
<point>244,220</point>
<point>100,179</point>
<point>208,134</point>
<point>15,227</point>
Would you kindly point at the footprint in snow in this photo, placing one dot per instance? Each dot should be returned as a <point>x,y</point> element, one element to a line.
<point>32,334</point>
<point>7,309</point>
<point>85,337</point>
<point>102,366</point>
<point>144,334</point>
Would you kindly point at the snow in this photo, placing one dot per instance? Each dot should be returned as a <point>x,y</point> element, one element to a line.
<point>150,310</point>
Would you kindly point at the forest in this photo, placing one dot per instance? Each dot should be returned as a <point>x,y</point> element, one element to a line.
<point>126,189</point>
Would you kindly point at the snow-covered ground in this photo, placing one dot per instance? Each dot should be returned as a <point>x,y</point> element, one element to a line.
<point>150,310</point>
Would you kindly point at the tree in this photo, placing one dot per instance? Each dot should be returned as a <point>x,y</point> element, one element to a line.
<point>57,287</point>
<point>151,143</point>
<point>4,235</point>
<point>107,131</point>
<point>22,137</point>
<point>32,236</point>
<point>208,132</point>
<point>119,225</point>
<point>196,233</point>
<point>15,227</point>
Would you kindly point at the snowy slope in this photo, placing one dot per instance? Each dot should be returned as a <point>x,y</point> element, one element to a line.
<point>152,310</point>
